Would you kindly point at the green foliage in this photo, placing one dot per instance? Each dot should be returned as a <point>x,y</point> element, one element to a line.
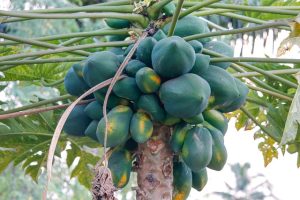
<point>25,141</point>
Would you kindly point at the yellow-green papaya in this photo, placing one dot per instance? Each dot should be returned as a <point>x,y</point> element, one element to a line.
<point>219,152</point>
<point>216,119</point>
<point>141,127</point>
<point>120,164</point>
<point>147,80</point>
<point>118,126</point>
<point>197,119</point>
<point>178,135</point>
<point>182,181</point>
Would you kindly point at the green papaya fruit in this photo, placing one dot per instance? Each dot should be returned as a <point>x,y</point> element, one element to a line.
<point>216,119</point>
<point>223,87</point>
<point>133,66</point>
<point>201,64</point>
<point>99,67</point>
<point>222,48</point>
<point>127,88</point>
<point>131,145</point>
<point>121,58</point>
<point>159,35</point>
<point>169,9</point>
<point>94,110</point>
<point>240,100</point>
<point>117,23</point>
<point>189,25</point>
<point>293,148</point>
<point>78,67</point>
<point>74,85</point>
<point>113,100</point>
<point>182,182</point>
<point>141,127</point>
<point>120,164</point>
<point>77,121</point>
<point>117,50</point>
<point>118,126</point>
<point>127,50</point>
<point>112,38</point>
<point>199,179</point>
<point>178,136</point>
<point>219,152</point>
<point>170,120</point>
<point>90,131</point>
<point>151,105</point>
<point>147,80</point>
<point>197,119</point>
<point>197,46</point>
<point>172,57</point>
<point>185,96</point>
<point>144,50</point>
<point>197,148</point>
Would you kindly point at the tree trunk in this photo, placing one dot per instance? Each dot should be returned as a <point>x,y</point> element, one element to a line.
<point>155,166</point>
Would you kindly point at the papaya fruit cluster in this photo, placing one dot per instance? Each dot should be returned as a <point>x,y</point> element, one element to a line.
<point>169,82</point>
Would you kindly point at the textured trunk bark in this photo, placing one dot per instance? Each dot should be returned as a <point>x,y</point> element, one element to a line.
<point>155,166</point>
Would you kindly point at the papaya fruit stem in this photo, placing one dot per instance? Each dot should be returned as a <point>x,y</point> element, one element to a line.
<point>40,44</point>
<point>197,7</point>
<point>175,18</point>
<point>27,16</point>
<point>66,49</point>
<point>235,31</point>
<point>100,32</point>
<point>255,101</point>
<point>255,59</point>
<point>37,104</point>
<point>284,97</point>
<point>40,61</point>
<point>256,80</point>
<point>40,110</point>
<point>279,71</point>
<point>154,10</point>
<point>265,9</point>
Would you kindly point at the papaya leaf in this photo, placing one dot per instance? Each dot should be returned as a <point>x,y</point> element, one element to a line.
<point>292,40</point>
<point>293,118</point>
<point>25,141</point>
<point>268,150</point>
<point>83,169</point>
<point>37,72</point>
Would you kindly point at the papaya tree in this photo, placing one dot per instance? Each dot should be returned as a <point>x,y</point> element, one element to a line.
<point>148,93</point>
